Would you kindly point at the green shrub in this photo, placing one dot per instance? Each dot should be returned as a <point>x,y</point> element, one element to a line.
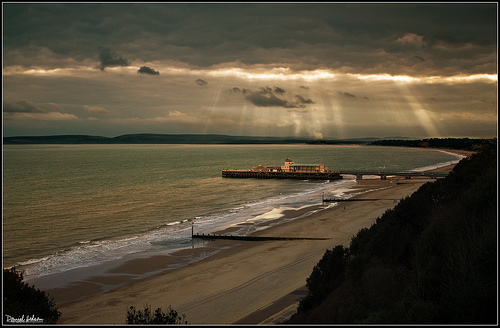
<point>21,301</point>
<point>146,316</point>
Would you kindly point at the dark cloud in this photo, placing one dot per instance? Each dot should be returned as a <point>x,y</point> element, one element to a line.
<point>347,94</point>
<point>278,90</point>
<point>26,106</point>
<point>110,59</point>
<point>148,70</point>
<point>21,107</point>
<point>265,90</point>
<point>266,97</point>
<point>201,82</point>
<point>238,90</point>
<point>442,39</point>
<point>301,100</point>
<point>267,100</point>
<point>299,36</point>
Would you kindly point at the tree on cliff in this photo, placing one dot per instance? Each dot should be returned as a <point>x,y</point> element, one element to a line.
<point>22,302</point>
<point>430,260</point>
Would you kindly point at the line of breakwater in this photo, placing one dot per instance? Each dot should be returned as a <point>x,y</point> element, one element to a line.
<point>251,238</point>
<point>349,199</point>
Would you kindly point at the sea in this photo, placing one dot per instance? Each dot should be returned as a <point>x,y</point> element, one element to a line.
<point>79,206</point>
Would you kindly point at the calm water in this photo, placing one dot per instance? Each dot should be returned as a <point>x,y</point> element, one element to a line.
<point>69,206</point>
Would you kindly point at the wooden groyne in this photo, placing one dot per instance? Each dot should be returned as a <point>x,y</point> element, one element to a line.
<point>250,238</point>
<point>349,199</point>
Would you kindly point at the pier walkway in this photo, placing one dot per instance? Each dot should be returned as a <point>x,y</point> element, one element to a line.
<point>383,175</point>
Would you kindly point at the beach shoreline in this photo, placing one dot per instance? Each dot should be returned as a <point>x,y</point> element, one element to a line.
<point>240,278</point>
<point>247,282</point>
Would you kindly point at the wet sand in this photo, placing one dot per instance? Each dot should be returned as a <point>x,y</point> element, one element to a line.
<point>244,281</point>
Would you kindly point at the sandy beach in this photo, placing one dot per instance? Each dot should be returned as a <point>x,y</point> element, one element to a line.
<point>242,282</point>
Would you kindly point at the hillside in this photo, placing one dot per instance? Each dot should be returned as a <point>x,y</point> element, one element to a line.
<point>430,260</point>
<point>450,143</point>
<point>150,139</point>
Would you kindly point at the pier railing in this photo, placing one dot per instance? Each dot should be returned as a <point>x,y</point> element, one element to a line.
<point>383,175</point>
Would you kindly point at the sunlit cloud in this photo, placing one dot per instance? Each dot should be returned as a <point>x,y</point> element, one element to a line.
<point>273,74</point>
<point>52,116</point>
<point>427,79</point>
<point>97,110</point>
<point>279,73</point>
<point>463,78</point>
<point>411,39</point>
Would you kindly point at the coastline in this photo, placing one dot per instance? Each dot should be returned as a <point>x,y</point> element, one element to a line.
<point>247,282</point>
<point>243,281</point>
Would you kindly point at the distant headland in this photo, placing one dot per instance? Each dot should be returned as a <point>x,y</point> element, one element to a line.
<point>150,138</point>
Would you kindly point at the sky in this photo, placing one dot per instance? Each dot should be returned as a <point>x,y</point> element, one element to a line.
<point>318,70</point>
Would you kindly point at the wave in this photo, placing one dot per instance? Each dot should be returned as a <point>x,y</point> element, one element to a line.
<point>174,235</point>
<point>436,166</point>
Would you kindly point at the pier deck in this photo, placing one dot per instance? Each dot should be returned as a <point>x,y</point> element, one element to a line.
<point>383,175</point>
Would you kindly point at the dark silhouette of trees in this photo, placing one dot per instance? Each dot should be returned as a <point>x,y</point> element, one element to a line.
<point>449,143</point>
<point>23,301</point>
<point>327,275</point>
<point>147,316</point>
<point>430,260</point>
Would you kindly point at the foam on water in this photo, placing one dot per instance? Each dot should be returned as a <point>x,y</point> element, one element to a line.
<point>176,235</point>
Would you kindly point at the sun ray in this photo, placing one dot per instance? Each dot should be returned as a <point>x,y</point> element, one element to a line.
<point>243,118</point>
<point>422,114</point>
<point>212,109</point>
<point>337,116</point>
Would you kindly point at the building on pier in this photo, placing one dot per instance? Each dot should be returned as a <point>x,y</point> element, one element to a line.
<point>290,170</point>
<point>290,166</point>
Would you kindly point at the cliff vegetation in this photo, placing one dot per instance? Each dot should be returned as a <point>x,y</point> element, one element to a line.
<point>430,260</point>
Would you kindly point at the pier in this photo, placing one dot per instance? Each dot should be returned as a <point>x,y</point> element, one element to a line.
<point>281,175</point>
<point>291,170</point>
<point>325,175</point>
